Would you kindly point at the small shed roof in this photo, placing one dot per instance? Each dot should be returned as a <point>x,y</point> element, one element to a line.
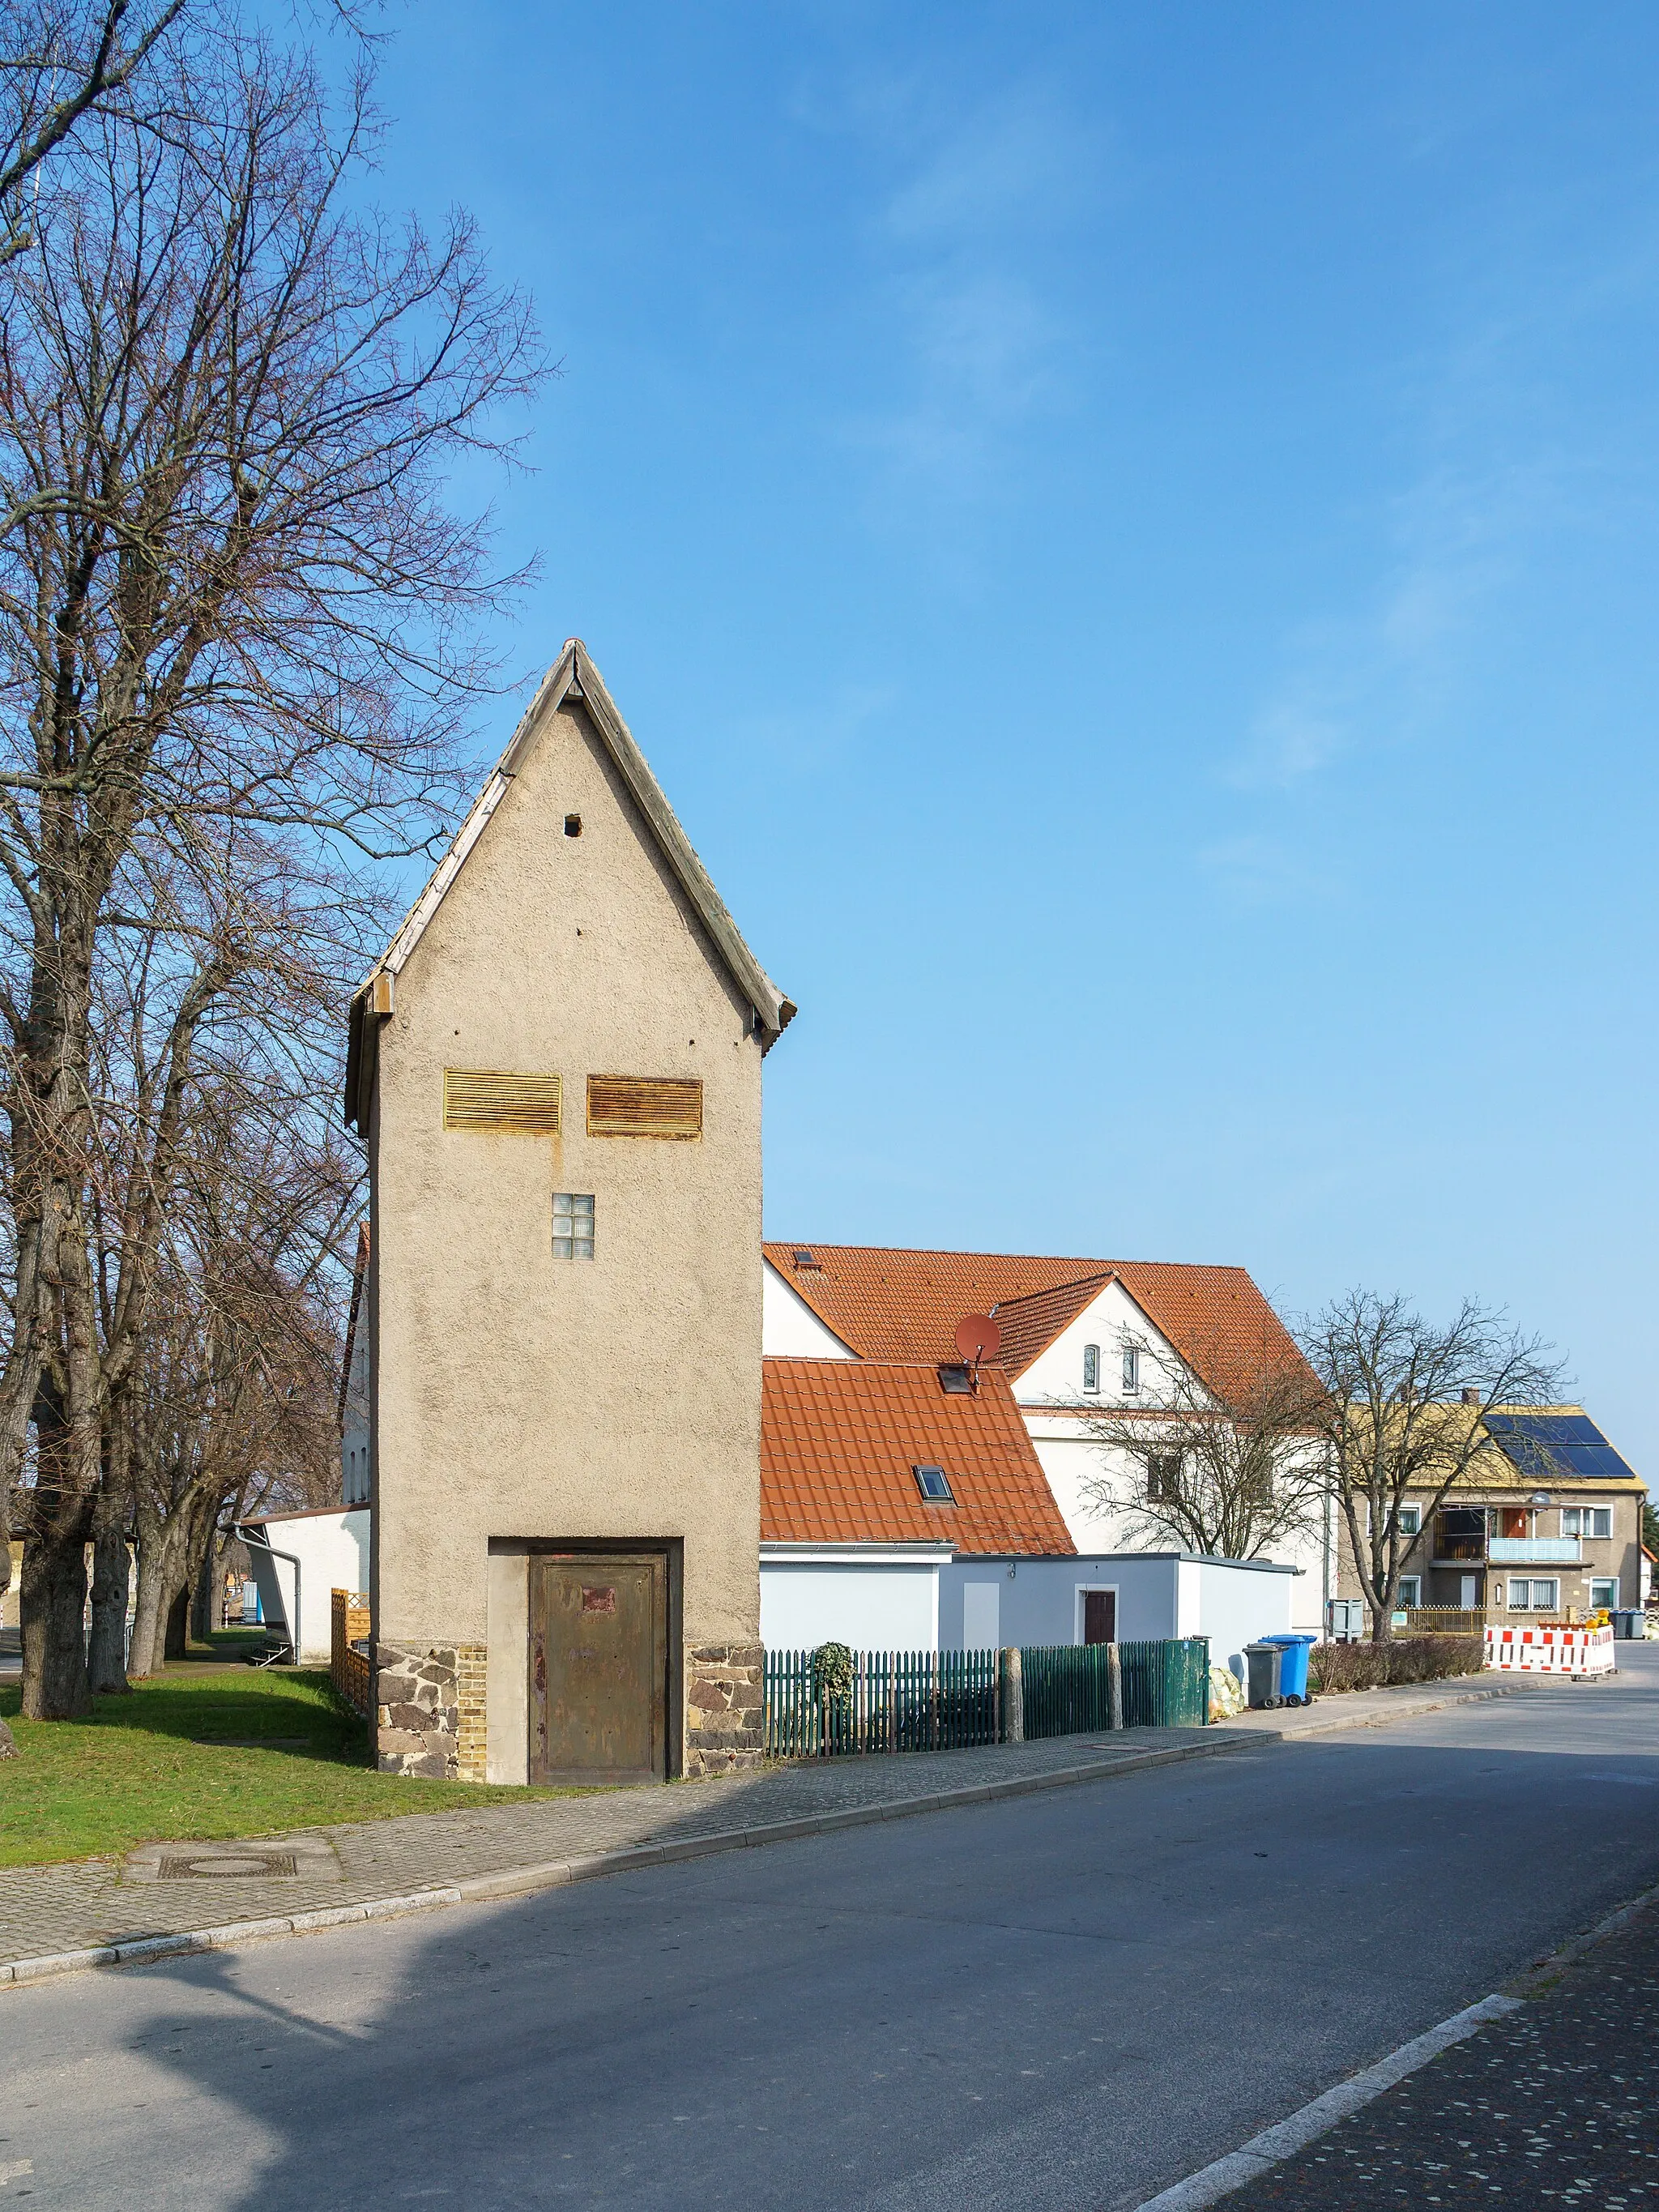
<point>841,1440</point>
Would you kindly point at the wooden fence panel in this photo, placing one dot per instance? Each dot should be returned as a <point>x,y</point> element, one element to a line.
<point>349,1625</point>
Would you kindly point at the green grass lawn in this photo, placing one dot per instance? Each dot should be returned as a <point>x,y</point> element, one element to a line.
<point>167,1762</point>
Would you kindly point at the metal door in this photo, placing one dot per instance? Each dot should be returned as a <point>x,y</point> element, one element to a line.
<point>1100,1616</point>
<point>598,1669</point>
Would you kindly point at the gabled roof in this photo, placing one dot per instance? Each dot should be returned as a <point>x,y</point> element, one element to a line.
<point>902,1304</point>
<point>573,678</point>
<point>839,1442</point>
<point>1031,1324</point>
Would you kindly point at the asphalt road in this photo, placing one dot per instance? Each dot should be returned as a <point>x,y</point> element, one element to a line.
<point>1069,2000</point>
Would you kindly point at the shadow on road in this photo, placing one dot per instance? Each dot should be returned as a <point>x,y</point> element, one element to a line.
<point>1067,1999</point>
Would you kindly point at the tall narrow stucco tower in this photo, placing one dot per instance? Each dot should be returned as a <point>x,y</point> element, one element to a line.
<point>557,1067</point>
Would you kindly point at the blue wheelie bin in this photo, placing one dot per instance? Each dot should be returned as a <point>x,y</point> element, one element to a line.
<point>1293,1668</point>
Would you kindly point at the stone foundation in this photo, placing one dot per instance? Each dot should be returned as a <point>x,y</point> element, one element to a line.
<point>429,1710</point>
<point>725,1707</point>
<point>416,1717</point>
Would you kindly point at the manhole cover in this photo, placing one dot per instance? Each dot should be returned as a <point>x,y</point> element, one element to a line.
<point>225,1866</point>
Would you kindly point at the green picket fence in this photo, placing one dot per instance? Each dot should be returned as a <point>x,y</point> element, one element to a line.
<point>1067,1686</point>
<point>952,1700</point>
<point>897,1701</point>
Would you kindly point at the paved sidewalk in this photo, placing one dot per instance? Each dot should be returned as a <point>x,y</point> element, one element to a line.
<point>87,1905</point>
<point>1552,2106</point>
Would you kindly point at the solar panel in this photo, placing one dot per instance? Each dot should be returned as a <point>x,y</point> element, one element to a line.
<point>1566,1446</point>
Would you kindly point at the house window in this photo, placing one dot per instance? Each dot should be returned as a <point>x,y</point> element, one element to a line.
<point>1411,1589</point>
<point>934,1486</point>
<point>1534,1597</point>
<point>1131,1368</point>
<point>1091,1367</point>
<point>573,1224</point>
<point>1604,1592</point>
<point>1163,1475</point>
<point>1410,1520</point>
<point>1587,1521</point>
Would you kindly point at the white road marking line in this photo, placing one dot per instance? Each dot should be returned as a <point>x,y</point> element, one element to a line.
<point>1212,2182</point>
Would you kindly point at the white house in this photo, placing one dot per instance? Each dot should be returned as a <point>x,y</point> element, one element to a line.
<point>1128,1597</point>
<point>1079,1337</point>
<point>298,1559</point>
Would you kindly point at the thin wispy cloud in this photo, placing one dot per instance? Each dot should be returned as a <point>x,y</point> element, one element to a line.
<point>808,740</point>
<point>965,280</point>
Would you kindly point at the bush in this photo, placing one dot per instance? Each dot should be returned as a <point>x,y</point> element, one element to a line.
<point>1335,1667</point>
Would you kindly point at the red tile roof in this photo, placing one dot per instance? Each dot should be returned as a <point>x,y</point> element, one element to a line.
<point>840,1439</point>
<point>899,1304</point>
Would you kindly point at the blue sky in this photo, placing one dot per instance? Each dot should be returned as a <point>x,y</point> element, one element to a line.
<point>1129,536</point>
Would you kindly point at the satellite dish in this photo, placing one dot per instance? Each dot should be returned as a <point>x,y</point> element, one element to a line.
<point>978,1338</point>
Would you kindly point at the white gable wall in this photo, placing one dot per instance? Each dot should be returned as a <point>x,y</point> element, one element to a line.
<point>789,1328</point>
<point>1114,1322</point>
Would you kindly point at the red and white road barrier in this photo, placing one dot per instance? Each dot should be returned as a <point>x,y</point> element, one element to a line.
<point>1552,1651</point>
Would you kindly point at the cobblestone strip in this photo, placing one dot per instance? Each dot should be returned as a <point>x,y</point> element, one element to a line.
<point>82,1913</point>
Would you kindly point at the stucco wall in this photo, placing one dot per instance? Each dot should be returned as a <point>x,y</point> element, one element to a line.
<point>873,1606</point>
<point>516,1396</point>
<point>1618,1554</point>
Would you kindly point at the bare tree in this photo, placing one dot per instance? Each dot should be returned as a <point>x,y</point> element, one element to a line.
<point>235,614</point>
<point>1229,1465</point>
<point>1401,1417</point>
<point>58,61</point>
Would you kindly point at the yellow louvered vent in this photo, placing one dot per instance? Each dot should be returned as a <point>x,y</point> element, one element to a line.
<point>644,1106</point>
<point>512,1105</point>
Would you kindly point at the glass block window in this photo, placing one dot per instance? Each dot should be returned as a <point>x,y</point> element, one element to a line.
<point>573,1224</point>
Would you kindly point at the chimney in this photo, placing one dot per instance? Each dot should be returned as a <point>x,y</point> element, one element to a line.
<point>1471,1396</point>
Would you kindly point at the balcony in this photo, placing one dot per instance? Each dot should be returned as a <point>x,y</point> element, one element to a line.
<point>1534,1551</point>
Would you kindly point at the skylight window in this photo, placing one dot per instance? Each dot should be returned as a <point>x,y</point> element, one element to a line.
<point>934,1486</point>
<point>956,1379</point>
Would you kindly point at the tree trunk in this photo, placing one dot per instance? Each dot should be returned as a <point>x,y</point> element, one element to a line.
<point>53,1600</point>
<point>207,1607</point>
<point>106,1661</point>
<point>177,1643</point>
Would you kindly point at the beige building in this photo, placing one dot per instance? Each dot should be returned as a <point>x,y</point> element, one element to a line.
<point>557,1067</point>
<point>1546,1524</point>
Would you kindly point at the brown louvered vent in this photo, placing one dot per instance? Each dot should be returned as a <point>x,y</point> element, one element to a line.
<point>511,1105</point>
<point>644,1106</point>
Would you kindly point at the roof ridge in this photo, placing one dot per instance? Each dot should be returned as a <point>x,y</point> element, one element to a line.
<point>966,1252</point>
<point>1053,1290</point>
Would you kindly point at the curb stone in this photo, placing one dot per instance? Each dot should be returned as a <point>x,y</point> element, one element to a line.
<point>1210,2185</point>
<point>556,1874</point>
